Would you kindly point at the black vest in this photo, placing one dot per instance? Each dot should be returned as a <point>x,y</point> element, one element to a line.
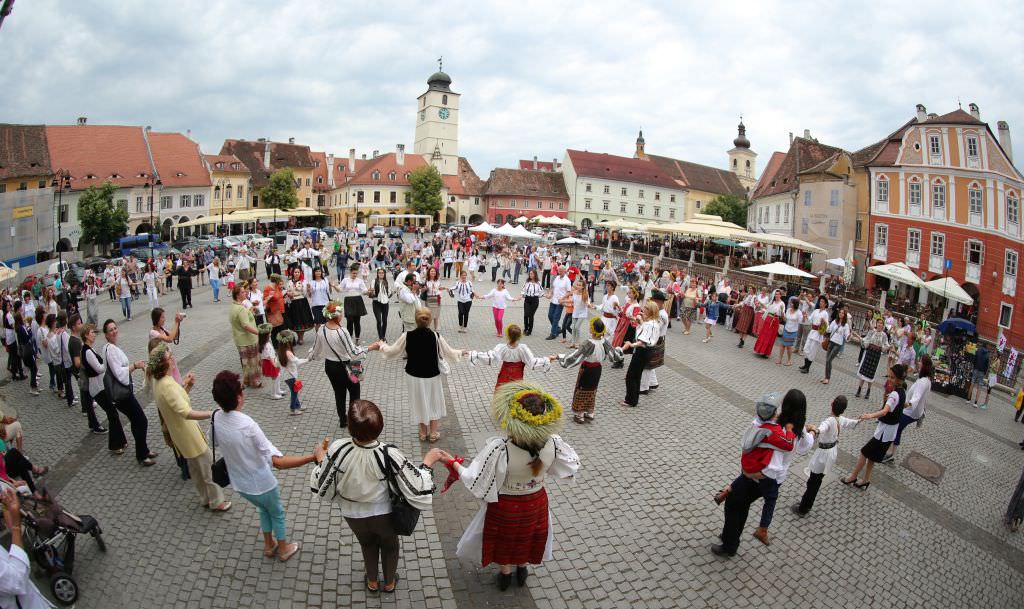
<point>894,415</point>
<point>421,347</point>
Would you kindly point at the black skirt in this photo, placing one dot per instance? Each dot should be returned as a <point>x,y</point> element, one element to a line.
<point>875,450</point>
<point>300,316</point>
<point>354,306</point>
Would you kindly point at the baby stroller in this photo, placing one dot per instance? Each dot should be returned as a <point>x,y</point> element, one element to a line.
<point>49,534</point>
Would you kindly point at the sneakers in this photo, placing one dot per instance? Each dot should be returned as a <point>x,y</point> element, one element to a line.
<point>276,396</point>
<point>33,392</point>
<point>708,339</point>
<point>889,459</point>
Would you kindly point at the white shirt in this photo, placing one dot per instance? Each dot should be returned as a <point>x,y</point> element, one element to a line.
<point>256,300</point>
<point>649,332</point>
<point>778,468</point>
<point>501,298</point>
<point>532,288</point>
<point>16,587</point>
<point>560,286</point>
<point>884,431</point>
<point>917,396</point>
<point>319,292</point>
<point>793,319</point>
<point>118,363</point>
<point>246,450</point>
<point>818,317</point>
<point>335,344</point>
<point>838,334</point>
<point>463,291</point>
<point>353,287</point>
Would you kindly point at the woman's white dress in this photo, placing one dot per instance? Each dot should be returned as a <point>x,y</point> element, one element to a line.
<point>426,395</point>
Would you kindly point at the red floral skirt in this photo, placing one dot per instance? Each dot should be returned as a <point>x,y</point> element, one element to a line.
<point>510,371</point>
<point>766,337</point>
<point>516,529</point>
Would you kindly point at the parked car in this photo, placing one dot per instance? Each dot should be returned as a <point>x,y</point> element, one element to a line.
<point>30,282</point>
<point>378,232</point>
<point>396,232</point>
<point>96,263</point>
<point>256,240</point>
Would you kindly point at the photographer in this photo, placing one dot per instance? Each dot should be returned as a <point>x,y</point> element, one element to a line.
<point>16,587</point>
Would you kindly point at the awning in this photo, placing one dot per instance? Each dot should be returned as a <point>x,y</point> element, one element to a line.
<point>780,240</point>
<point>620,224</point>
<point>836,261</point>
<point>899,272</point>
<point>726,242</point>
<point>949,288</point>
<point>572,241</point>
<point>554,221</point>
<point>693,229</point>
<point>777,268</point>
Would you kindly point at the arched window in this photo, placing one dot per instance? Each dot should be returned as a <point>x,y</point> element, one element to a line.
<point>216,192</point>
<point>227,191</point>
<point>735,163</point>
<point>497,219</point>
<point>748,163</point>
<point>444,100</point>
<point>975,202</point>
<point>882,190</point>
<point>1012,208</point>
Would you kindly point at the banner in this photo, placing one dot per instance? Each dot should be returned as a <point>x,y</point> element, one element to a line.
<point>1001,343</point>
<point>1011,364</point>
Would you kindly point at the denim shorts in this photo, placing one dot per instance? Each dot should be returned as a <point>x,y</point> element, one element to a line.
<point>979,377</point>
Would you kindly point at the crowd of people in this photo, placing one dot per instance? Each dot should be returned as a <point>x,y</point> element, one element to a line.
<point>600,312</point>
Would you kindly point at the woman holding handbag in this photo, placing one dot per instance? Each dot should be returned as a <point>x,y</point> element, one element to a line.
<point>367,478</point>
<point>333,344</point>
<point>117,385</point>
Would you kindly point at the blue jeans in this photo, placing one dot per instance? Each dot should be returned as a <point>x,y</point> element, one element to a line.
<point>295,405</point>
<point>126,306</point>
<point>554,314</point>
<point>215,284</point>
<point>271,511</point>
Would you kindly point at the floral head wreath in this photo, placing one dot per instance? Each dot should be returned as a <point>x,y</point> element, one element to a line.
<point>276,277</point>
<point>155,357</point>
<point>522,426</point>
<point>593,324</point>
<point>333,310</point>
<point>265,328</point>
<point>287,337</point>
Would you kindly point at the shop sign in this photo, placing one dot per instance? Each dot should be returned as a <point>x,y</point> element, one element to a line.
<point>22,212</point>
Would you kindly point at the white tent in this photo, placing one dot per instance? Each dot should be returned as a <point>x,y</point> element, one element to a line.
<point>572,241</point>
<point>522,233</point>
<point>897,271</point>
<point>556,221</point>
<point>778,268</point>
<point>521,219</point>
<point>482,228</point>
<point>949,288</point>
<point>505,230</point>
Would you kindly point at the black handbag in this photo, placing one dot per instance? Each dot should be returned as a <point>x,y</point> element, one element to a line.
<point>403,515</point>
<point>117,391</point>
<point>219,469</point>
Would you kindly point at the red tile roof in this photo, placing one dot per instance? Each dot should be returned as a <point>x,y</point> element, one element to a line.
<point>23,151</point>
<point>884,151</point>
<point>467,183</point>
<point>804,154</point>
<point>320,158</point>
<point>281,156</point>
<point>771,170</point>
<point>178,160</point>
<point>384,165</point>
<point>526,183</point>
<point>229,162</point>
<point>541,165</point>
<point>701,177</point>
<point>956,117</point>
<point>97,153</point>
<point>620,168</point>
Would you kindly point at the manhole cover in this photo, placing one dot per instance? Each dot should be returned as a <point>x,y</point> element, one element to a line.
<point>924,467</point>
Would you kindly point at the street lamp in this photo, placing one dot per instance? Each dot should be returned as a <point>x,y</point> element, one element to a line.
<point>62,182</point>
<point>221,185</point>
<point>151,184</point>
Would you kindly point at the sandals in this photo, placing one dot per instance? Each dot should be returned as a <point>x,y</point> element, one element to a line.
<point>847,482</point>
<point>722,495</point>
<point>222,507</point>
<point>285,556</point>
<point>270,552</point>
<point>862,486</point>
<point>394,585</point>
<point>434,437</point>
<point>375,588</point>
<point>423,437</point>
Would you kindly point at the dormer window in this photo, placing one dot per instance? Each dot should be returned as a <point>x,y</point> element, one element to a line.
<point>316,163</point>
<point>179,174</point>
<point>407,176</point>
<point>90,176</point>
<point>376,175</point>
<point>393,176</point>
<point>115,176</point>
<point>319,179</point>
<point>219,165</point>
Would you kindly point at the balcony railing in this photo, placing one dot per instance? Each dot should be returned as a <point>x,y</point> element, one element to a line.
<point>881,252</point>
<point>1010,285</point>
<point>913,258</point>
<point>973,274</point>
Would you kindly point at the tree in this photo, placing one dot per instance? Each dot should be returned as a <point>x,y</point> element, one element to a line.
<point>426,190</point>
<point>280,191</point>
<point>102,221</point>
<point>730,207</point>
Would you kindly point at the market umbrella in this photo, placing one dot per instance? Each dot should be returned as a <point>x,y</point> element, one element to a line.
<point>949,288</point>
<point>778,268</point>
<point>956,323</point>
<point>837,262</point>
<point>726,242</point>
<point>572,241</point>
<point>521,219</point>
<point>898,272</point>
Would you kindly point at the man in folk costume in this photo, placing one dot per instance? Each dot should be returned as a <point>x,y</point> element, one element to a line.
<point>649,378</point>
<point>512,527</point>
<point>407,303</point>
<point>589,356</point>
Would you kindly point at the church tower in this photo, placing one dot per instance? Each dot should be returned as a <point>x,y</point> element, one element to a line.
<point>743,160</point>
<point>640,154</point>
<point>437,124</point>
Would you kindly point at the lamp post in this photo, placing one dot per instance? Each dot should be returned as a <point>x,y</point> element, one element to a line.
<point>62,182</point>
<point>221,184</point>
<point>151,184</point>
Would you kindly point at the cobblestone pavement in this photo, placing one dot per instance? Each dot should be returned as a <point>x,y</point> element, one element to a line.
<point>632,530</point>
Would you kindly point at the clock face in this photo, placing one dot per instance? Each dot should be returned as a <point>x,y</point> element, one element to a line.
<point>443,113</point>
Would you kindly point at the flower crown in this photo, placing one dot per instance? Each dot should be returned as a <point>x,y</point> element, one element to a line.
<point>333,310</point>
<point>287,337</point>
<point>552,409</point>
<point>156,356</point>
<point>593,324</point>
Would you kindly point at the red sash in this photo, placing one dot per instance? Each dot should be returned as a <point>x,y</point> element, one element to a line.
<point>510,371</point>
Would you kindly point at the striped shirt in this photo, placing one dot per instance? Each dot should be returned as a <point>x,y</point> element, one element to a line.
<point>463,291</point>
<point>532,288</point>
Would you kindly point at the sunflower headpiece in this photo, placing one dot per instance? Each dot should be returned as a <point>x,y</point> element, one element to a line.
<point>522,425</point>
<point>333,310</point>
<point>593,325</point>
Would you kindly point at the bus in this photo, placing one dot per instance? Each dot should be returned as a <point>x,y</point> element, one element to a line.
<point>131,242</point>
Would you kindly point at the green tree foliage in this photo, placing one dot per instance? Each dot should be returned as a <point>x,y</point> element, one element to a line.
<point>730,207</point>
<point>102,221</point>
<point>426,190</point>
<point>280,191</point>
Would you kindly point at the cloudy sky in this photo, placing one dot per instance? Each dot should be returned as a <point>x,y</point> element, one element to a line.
<point>537,77</point>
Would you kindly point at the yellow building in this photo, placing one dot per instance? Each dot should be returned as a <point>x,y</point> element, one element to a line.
<point>24,158</point>
<point>263,157</point>
<point>231,182</point>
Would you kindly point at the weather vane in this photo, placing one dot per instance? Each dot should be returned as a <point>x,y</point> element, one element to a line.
<point>440,65</point>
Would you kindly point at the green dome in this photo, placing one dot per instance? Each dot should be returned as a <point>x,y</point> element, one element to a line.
<point>439,81</point>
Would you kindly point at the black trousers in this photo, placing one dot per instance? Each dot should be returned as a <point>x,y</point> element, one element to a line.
<point>545,279</point>
<point>637,365</point>
<point>136,418</point>
<point>186,297</point>
<point>33,369</point>
<point>14,360</point>
<point>813,484</point>
<point>18,466</point>
<point>380,314</point>
<point>737,506</point>
<point>447,270</point>
<point>338,375</point>
<point>90,410</point>
<point>464,308</point>
<point>530,305</point>
<point>567,324</point>
<point>69,385</point>
<point>380,545</point>
<point>494,273</point>
<point>354,326</point>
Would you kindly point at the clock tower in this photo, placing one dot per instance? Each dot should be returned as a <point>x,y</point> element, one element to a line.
<point>437,124</point>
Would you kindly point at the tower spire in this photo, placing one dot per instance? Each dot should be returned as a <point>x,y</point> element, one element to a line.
<point>640,154</point>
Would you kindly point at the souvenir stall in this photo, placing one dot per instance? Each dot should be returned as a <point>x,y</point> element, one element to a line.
<point>954,357</point>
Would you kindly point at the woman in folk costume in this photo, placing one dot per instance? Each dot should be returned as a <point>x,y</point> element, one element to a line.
<point>627,322</point>
<point>743,319</point>
<point>610,307</point>
<point>761,302</point>
<point>589,356</point>
<point>770,326</point>
<point>512,527</point>
<point>649,378</point>
<point>819,319</point>
<point>513,355</point>
<point>874,344</point>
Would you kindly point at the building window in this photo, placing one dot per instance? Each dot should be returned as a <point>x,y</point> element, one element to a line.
<point>186,201</point>
<point>512,204</point>
<point>607,189</point>
<point>359,197</point>
<point>671,198</point>
<point>23,186</point>
<point>376,175</point>
<point>551,204</point>
<point>785,213</point>
<point>975,200</point>
<point>62,214</point>
<point>860,230</point>
<point>640,194</point>
<point>138,205</point>
<point>121,204</point>
<point>319,179</point>
<point>604,205</point>
<point>393,176</point>
<point>1005,315</point>
<point>1010,264</point>
<point>834,198</point>
<point>587,187</point>
<point>882,188</point>
<point>972,147</point>
<point>540,205</point>
<point>444,100</point>
<point>561,205</point>
<point>622,208</point>
<point>586,203</point>
<point>938,245</point>
<point>227,191</point>
<point>307,181</point>
<point>640,209</point>
<point>393,197</point>
<point>881,235</point>
<point>657,196</point>
<point>216,192</point>
<point>915,196</point>
<point>476,200</point>
<point>41,184</point>
<point>166,202</point>
<point>497,218</point>
<point>199,200</point>
<point>376,196</point>
<point>938,195</point>
<point>975,252</point>
<point>657,211</point>
<point>623,191</point>
<point>934,148</point>
<point>1012,209</point>
<point>807,198</point>
<point>671,213</point>
<point>833,228</point>
<point>778,213</point>
<point>804,225</point>
<point>3,188</point>
<point>913,240</point>
<point>698,204</point>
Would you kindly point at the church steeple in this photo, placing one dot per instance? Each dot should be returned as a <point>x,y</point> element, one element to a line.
<point>743,160</point>
<point>640,154</point>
